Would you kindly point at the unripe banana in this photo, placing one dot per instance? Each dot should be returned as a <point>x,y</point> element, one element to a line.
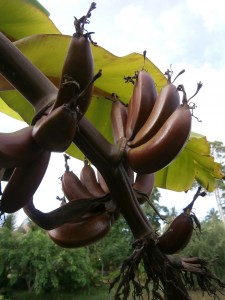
<point>18,148</point>
<point>83,232</point>
<point>166,103</point>
<point>118,120</point>
<point>73,188</point>
<point>89,180</point>
<point>56,131</point>
<point>23,183</point>
<point>166,144</point>
<point>141,103</point>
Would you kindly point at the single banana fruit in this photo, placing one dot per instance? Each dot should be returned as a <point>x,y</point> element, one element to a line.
<point>141,103</point>
<point>102,182</point>
<point>55,132</point>
<point>118,120</point>
<point>23,183</point>
<point>78,68</point>
<point>18,148</point>
<point>179,233</point>
<point>89,180</point>
<point>165,145</point>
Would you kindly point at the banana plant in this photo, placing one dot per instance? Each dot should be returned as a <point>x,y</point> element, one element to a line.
<point>37,42</point>
<point>66,99</point>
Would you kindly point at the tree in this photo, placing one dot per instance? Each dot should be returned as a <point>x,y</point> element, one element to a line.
<point>218,150</point>
<point>31,260</point>
<point>210,243</point>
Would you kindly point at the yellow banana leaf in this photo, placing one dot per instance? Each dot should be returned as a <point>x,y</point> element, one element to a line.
<point>47,52</point>
<point>20,18</point>
<point>46,48</point>
<point>193,163</point>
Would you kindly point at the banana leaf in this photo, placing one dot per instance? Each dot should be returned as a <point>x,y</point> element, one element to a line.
<point>46,48</point>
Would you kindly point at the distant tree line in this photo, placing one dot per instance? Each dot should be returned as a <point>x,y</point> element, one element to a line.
<point>29,260</point>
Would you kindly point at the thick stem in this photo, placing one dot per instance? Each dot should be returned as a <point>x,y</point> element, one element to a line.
<point>99,152</point>
<point>72,210</point>
<point>97,144</point>
<point>25,77</point>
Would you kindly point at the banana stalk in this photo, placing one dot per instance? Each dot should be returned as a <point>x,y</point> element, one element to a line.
<point>107,158</point>
<point>25,77</point>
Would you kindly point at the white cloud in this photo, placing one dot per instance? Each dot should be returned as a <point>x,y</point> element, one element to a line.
<point>211,12</point>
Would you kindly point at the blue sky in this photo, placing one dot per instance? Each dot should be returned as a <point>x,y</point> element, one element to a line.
<point>188,34</point>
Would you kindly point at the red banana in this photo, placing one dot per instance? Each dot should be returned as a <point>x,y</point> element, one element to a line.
<point>23,184</point>
<point>18,148</point>
<point>144,183</point>
<point>118,120</point>
<point>165,145</point>
<point>73,188</point>
<point>78,68</point>
<point>143,186</point>
<point>179,233</point>
<point>102,182</point>
<point>83,232</point>
<point>166,103</point>
<point>89,180</point>
<point>141,103</point>
<point>56,131</point>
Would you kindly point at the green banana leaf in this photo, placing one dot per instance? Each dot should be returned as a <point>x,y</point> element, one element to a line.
<point>193,163</point>
<point>21,18</point>
<point>46,48</point>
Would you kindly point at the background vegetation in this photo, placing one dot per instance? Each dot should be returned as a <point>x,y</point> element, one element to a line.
<point>31,262</point>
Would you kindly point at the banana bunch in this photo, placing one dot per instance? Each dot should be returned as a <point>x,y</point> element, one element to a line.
<point>156,127</point>
<point>93,225</point>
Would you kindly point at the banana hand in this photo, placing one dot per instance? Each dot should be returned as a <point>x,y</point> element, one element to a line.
<point>165,145</point>
<point>72,187</point>
<point>166,103</point>
<point>141,103</point>
<point>89,180</point>
<point>86,231</point>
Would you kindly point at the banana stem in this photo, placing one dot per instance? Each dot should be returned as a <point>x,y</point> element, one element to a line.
<point>103,155</point>
<point>25,77</point>
<point>97,144</point>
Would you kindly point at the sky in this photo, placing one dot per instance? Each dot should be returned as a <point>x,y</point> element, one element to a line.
<point>186,34</point>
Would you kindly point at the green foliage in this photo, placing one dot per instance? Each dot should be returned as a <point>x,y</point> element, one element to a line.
<point>31,260</point>
<point>16,15</point>
<point>210,244</point>
<point>109,253</point>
